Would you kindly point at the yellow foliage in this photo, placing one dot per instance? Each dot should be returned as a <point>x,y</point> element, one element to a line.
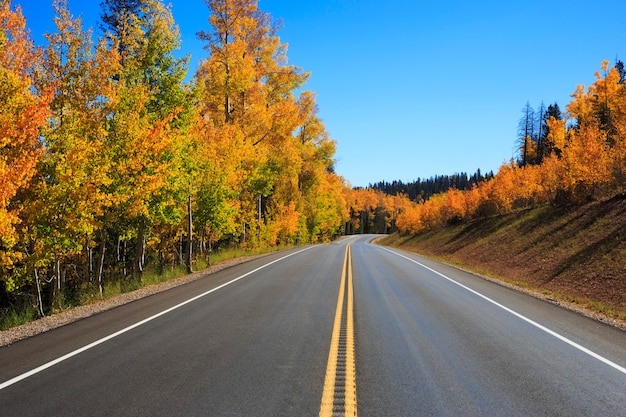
<point>22,113</point>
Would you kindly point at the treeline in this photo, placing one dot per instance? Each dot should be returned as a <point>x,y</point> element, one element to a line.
<point>110,162</point>
<point>579,156</point>
<point>421,190</point>
<point>565,158</point>
<point>373,211</point>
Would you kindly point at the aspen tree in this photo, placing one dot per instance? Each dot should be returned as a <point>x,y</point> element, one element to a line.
<point>68,197</point>
<point>151,108</point>
<point>22,114</point>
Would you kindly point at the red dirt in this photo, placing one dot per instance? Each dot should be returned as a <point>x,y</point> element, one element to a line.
<point>573,255</point>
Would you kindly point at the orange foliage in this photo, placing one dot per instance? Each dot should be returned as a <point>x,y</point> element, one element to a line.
<point>22,114</point>
<point>124,154</point>
<point>238,149</point>
<point>589,162</point>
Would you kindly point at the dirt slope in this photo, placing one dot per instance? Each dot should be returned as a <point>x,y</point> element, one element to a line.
<point>573,255</point>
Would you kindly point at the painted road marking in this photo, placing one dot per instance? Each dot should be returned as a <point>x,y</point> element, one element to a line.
<point>520,316</point>
<point>133,326</point>
<point>339,395</point>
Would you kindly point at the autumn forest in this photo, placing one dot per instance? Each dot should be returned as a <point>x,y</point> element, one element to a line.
<point>113,160</point>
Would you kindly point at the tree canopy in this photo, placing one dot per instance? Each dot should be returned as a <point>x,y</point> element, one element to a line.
<point>112,162</point>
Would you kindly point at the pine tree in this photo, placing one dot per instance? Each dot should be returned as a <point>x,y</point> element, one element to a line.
<point>526,135</point>
<point>546,147</point>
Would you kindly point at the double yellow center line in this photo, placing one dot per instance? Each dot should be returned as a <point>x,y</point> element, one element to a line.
<point>339,396</point>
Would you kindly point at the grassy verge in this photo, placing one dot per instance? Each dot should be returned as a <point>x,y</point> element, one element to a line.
<point>18,315</point>
<point>12,317</point>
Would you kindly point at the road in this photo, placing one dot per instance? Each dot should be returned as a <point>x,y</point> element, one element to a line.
<point>348,325</point>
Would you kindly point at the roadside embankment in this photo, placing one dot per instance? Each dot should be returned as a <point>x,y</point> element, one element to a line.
<point>574,256</point>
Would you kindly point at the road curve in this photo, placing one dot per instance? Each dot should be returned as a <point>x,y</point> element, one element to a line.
<point>255,340</point>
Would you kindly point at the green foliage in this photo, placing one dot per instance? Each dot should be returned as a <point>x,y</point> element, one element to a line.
<point>131,172</point>
<point>16,316</point>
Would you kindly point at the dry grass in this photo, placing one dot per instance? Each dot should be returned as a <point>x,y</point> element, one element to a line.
<point>576,256</point>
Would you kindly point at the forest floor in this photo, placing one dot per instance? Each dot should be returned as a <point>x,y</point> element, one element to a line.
<point>572,256</point>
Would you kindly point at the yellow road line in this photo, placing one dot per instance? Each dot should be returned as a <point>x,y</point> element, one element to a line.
<point>350,360</point>
<point>346,401</point>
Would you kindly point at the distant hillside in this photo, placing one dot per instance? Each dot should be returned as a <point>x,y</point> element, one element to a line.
<point>573,255</point>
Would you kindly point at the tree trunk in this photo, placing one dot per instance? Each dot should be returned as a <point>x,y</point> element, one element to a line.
<point>103,247</point>
<point>189,236</point>
<point>180,253</point>
<point>208,254</point>
<point>39,300</point>
<point>89,253</point>
<point>227,109</point>
<point>140,247</point>
<point>55,301</point>
<point>54,284</point>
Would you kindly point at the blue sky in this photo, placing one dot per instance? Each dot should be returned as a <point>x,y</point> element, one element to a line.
<point>413,89</point>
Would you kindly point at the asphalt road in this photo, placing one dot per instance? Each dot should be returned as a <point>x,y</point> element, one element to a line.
<point>255,340</point>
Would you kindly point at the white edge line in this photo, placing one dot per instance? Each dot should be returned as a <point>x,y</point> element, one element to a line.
<point>133,326</point>
<point>518,315</point>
